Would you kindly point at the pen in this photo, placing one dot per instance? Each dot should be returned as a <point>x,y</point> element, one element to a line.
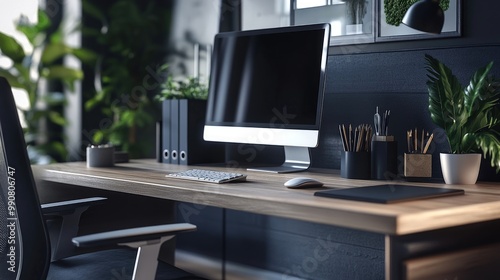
<point>376,121</point>
<point>386,122</point>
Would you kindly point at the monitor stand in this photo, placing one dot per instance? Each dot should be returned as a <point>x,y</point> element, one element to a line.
<point>296,159</point>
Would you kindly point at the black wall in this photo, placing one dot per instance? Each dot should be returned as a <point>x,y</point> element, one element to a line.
<point>392,75</point>
<point>394,80</point>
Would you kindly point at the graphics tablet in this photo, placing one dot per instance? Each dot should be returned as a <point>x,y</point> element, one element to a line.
<point>388,193</point>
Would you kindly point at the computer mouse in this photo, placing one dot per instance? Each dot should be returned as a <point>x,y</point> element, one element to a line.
<point>303,183</point>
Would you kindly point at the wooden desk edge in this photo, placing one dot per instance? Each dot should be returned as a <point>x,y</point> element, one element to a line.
<point>357,215</point>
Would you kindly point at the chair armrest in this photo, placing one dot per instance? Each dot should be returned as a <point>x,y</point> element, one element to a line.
<point>62,232</point>
<point>69,205</point>
<point>131,235</point>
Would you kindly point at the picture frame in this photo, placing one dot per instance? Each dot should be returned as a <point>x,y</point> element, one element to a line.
<point>388,32</point>
<point>336,13</point>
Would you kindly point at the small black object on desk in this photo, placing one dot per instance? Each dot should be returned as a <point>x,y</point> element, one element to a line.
<point>388,193</point>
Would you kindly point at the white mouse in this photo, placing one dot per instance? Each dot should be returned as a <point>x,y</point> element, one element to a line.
<point>302,183</point>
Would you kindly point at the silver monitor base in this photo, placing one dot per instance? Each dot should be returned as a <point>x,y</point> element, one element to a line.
<point>296,159</point>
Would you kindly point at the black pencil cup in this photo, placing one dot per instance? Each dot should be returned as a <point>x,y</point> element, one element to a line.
<point>355,165</point>
<point>384,158</point>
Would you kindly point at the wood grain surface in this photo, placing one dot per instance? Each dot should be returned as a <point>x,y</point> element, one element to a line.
<point>264,193</point>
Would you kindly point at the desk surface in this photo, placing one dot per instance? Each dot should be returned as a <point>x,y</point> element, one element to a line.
<point>264,193</point>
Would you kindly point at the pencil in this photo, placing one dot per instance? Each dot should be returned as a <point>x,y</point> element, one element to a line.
<point>416,140</point>
<point>428,143</point>
<point>422,142</point>
<point>342,137</point>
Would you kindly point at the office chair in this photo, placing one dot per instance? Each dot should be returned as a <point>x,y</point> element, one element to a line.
<point>24,243</point>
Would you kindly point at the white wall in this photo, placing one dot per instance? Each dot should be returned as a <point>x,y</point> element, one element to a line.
<point>258,14</point>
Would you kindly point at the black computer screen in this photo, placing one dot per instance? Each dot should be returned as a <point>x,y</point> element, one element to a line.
<point>268,78</point>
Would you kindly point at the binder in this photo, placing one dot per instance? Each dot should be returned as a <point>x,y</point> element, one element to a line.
<point>159,142</point>
<point>184,122</point>
<point>174,131</point>
<point>182,134</point>
<point>193,149</point>
<point>165,131</point>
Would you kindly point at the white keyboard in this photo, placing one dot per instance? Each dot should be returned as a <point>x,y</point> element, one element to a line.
<point>211,176</point>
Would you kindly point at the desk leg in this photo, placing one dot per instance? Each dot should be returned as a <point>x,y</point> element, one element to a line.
<point>393,258</point>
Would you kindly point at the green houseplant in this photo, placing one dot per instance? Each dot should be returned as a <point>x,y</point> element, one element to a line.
<point>395,10</point>
<point>129,37</point>
<point>470,116</point>
<point>43,117</point>
<point>188,88</point>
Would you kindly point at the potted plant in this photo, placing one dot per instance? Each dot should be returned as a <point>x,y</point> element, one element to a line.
<point>470,117</point>
<point>356,10</point>
<point>395,10</point>
<point>189,88</point>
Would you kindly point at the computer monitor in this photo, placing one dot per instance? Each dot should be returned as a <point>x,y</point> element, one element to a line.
<point>266,87</point>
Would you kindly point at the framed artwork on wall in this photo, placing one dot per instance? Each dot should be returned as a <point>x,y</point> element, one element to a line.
<point>391,12</point>
<point>351,21</point>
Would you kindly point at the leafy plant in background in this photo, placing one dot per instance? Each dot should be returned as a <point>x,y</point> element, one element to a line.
<point>189,88</point>
<point>395,10</point>
<point>130,42</point>
<point>43,119</point>
<point>469,116</point>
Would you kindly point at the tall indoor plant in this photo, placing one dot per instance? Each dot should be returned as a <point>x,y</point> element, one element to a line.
<point>129,36</point>
<point>29,70</point>
<point>470,116</point>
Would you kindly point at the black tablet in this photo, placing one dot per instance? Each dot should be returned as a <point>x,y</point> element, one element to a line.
<point>388,193</point>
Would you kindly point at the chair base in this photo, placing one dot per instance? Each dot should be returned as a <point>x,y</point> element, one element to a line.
<point>109,264</point>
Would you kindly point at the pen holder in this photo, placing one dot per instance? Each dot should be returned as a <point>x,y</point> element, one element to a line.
<point>100,156</point>
<point>355,165</point>
<point>418,165</point>
<point>384,157</point>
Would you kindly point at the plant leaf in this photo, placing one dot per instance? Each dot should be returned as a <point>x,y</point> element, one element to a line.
<point>489,141</point>
<point>474,93</point>
<point>54,51</point>
<point>57,118</point>
<point>85,55</point>
<point>446,101</point>
<point>11,48</point>
<point>35,33</point>
<point>12,79</point>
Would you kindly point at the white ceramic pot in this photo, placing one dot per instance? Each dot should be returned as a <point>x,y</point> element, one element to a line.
<point>460,168</point>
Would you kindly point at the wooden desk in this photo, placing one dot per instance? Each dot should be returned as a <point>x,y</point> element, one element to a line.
<point>412,229</point>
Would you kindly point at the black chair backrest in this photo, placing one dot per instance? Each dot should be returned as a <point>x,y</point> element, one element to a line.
<point>24,245</point>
